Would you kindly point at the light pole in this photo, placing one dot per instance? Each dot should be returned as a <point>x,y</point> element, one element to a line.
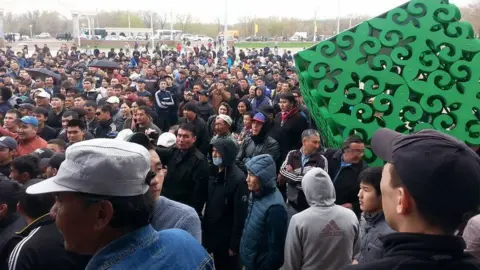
<point>2,34</point>
<point>31,33</point>
<point>83,27</point>
<point>152,36</point>
<point>225,29</point>
<point>171,24</point>
<point>338,17</point>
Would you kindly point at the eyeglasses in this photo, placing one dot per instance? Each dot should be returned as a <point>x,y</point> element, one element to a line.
<point>356,151</point>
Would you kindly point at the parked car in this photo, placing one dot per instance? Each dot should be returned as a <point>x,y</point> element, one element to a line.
<point>43,35</point>
<point>63,36</point>
<point>188,37</point>
<point>202,38</point>
<point>253,39</point>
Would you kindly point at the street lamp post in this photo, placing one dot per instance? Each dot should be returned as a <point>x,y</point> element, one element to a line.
<point>2,34</point>
<point>31,32</point>
<point>338,17</point>
<point>225,29</point>
<point>171,25</point>
<point>83,27</point>
<point>153,32</point>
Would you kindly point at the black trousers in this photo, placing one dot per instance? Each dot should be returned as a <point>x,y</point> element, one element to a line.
<point>225,262</point>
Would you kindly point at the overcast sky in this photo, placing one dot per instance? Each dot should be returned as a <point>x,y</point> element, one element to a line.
<point>209,10</point>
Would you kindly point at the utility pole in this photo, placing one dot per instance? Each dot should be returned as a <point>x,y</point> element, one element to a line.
<point>152,36</point>
<point>338,17</point>
<point>255,26</point>
<point>225,29</point>
<point>171,23</point>
<point>315,26</point>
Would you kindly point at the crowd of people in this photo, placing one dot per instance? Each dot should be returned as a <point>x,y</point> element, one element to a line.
<point>195,158</point>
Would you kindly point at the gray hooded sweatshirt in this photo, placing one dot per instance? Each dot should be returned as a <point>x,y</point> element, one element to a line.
<point>324,236</point>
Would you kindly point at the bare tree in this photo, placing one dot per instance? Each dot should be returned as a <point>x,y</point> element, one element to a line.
<point>246,23</point>
<point>9,22</point>
<point>184,20</point>
<point>31,17</point>
<point>147,17</point>
<point>219,24</point>
<point>471,13</point>
<point>161,20</point>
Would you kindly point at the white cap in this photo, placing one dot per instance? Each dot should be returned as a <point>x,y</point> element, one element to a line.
<point>101,167</point>
<point>225,118</point>
<point>123,134</point>
<point>113,100</point>
<point>40,92</point>
<point>167,139</point>
<point>134,77</point>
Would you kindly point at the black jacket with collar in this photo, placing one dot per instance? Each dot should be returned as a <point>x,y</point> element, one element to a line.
<point>289,135</point>
<point>187,176</point>
<point>9,226</point>
<point>105,128</point>
<point>55,120</point>
<point>47,133</point>
<point>345,179</point>
<point>409,251</point>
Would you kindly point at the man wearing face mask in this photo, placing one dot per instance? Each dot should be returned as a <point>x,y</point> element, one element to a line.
<point>226,206</point>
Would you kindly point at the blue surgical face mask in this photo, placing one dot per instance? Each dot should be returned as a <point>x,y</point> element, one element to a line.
<point>217,161</point>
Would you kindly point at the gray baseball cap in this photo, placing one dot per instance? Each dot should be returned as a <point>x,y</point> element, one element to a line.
<point>8,142</point>
<point>101,167</point>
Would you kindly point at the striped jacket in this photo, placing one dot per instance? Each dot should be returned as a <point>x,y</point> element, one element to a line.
<point>295,195</point>
<point>40,246</point>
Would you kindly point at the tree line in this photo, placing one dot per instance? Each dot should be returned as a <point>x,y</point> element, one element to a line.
<point>54,22</point>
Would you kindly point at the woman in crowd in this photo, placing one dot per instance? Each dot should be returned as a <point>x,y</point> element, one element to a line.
<point>251,93</point>
<point>243,108</point>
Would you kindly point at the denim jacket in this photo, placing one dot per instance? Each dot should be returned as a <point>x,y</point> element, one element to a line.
<point>146,248</point>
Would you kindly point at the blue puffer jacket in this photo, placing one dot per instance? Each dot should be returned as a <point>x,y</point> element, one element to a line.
<point>265,227</point>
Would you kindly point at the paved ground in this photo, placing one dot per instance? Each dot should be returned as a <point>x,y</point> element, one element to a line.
<point>54,45</point>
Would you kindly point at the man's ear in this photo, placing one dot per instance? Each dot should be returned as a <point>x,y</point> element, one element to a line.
<point>104,214</point>
<point>19,208</point>
<point>25,177</point>
<point>405,201</point>
<point>3,210</point>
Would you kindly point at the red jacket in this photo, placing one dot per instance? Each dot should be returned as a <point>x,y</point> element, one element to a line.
<point>26,147</point>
